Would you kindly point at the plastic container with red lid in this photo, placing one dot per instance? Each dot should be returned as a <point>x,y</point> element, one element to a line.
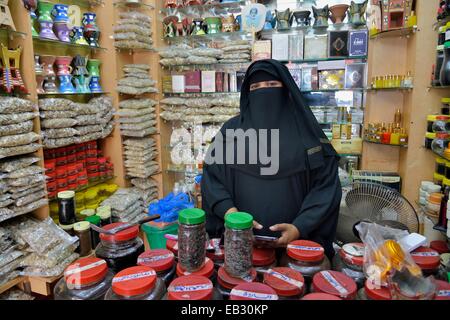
<point>306,257</point>
<point>172,245</point>
<point>440,246</point>
<point>263,259</point>
<point>226,282</point>
<point>320,296</point>
<point>335,283</point>
<point>287,283</point>
<point>350,261</point>
<point>207,270</point>
<point>253,291</point>
<point>442,290</point>
<point>217,254</point>
<point>85,279</point>
<point>136,283</point>
<point>192,287</point>
<point>160,260</point>
<point>427,259</point>
<point>372,291</point>
<point>122,249</point>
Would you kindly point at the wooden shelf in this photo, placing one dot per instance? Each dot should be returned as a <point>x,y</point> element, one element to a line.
<point>386,144</point>
<point>40,42</point>
<point>395,33</point>
<point>12,283</point>
<point>133,5</point>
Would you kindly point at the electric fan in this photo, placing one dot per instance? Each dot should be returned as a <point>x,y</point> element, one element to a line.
<point>368,201</point>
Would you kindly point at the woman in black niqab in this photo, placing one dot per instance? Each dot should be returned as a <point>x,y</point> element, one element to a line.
<point>299,200</point>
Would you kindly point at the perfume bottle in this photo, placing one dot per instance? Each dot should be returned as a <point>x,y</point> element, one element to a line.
<point>395,136</point>
<point>397,118</point>
<point>403,137</point>
<point>409,80</point>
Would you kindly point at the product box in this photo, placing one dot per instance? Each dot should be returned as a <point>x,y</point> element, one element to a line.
<point>280,47</point>
<point>353,146</point>
<point>240,75</point>
<point>178,83</point>
<point>306,84</point>
<point>226,85</point>
<point>355,75</point>
<point>296,73</point>
<point>331,65</point>
<point>209,81</point>
<point>192,81</point>
<point>220,81</point>
<point>314,78</point>
<point>338,44</point>
<point>232,81</point>
<point>296,42</point>
<point>358,43</point>
<point>262,49</point>
<point>167,83</point>
<point>316,47</point>
<point>331,79</point>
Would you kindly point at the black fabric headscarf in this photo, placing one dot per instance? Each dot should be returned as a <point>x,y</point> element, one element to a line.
<point>302,143</point>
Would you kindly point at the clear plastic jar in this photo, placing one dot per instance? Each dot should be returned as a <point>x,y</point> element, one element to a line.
<point>373,292</point>
<point>287,283</point>
<point>136,283</point>
<point>191,239</point>
<point>226,283</point>
<point>192,287</point>
<point>307,257</point>
<point>350,261</point>
<point>334,283</point>
<point>441,124</point>
<point>427,259</point>
<point>122,249</point>
<point>440,143</point>
<point>160,260</point>
<point>253,291</point>
<point>83,231</point>
<point>85,279</point>
<point>263,259</point>
<point>238,244</point>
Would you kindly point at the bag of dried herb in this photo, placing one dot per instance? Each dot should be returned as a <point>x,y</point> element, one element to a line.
<point>191,239</point>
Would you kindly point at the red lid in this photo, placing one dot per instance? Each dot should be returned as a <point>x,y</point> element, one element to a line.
<point>230,282</point>
<point>158,259</point>
<point>253,291</point>
<point>376,292</point>
<point>440,246</point>
<point>320,296</point>
<point>442,290</point>
<point>124,235</point>
<point>172,245</point>
<point>206,271</point>
<point>285,281</point>
<point>353,253</point>
<point>335,283</point>
<point>190,287</point>
<point>134,281</point>
<point>442,117</point>
<point>85,271</point>
<point>49,164</point>
<point>61,171</point>
<point>305,250</point>
<point>426,258</point>
<point>102,160</point>
<point>263,257</point>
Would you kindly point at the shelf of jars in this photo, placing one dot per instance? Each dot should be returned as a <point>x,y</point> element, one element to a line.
<point>400,89</point>
<point>385,144</point>
<point>92,183</point>
<point>133,4</point>
<point>441,23</point>
<point>395,33</point>
<point>37,41</point>
<point>211,8</point>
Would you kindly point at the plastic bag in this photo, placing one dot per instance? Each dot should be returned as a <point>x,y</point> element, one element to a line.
<point>23,172</point>
<point>137,103</point>
<point>58,123</point>
<point>17,163</point>
<point>140,66</point>
<point>132,44</point>
<point>134,71</point>
<point>135,15</point>
<point>56,104</point>
<point>201,60</point>
<point>57,143</point>
<point>136,83</point>
<point>28,191</point>
<point>58,114</point>
<point>132,28</point>
<point>169,206</point>
<point>15,151</point>
<point>144,184</point>
<point>83,130</point>
<point>27,180</point>
<point>140,143</point>
<point>18,128</point>
<point>59,133</point>
<point>136,91</point>
<point>49,272</point>
<point>20,202</point>
<point>15,105</point>
<point>18,140</point>
<point>17,117</point>
<point>131,113</point>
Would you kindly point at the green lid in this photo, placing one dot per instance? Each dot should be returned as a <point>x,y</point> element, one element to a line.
<point>93,219</point>
<point>239,220</point>
<point>191,216</point>
<point>447,45</point>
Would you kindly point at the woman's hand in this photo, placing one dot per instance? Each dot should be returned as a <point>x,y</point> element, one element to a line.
<point>256,225</point>
<point>289,233</point>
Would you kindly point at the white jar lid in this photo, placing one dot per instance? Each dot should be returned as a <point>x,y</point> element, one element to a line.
<point>433,188</point>
<point>424,184</point>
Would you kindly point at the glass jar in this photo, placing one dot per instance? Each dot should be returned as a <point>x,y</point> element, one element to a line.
<point>238,244</point>
<point>216,253</point>
<point>373,292</point>
<point>442,290</point>
<point>192,287</point>
<point>307,257</point>
<point>440,143</point>
<point>429,137</point>
<point>320,296</point>
<point>287,283</point>
<point>427,259</point>
<point>83,231</point>
<point>66,207</point>
<point>85,279</point>
<point>226,282</point>
<point>253,291</point>
<point>263,259</point>
<point>104,212</point>
<point>440,164</point>
<point>95,237</point>
<point>68,228</point>
<point>441,124</point>
<point>335,283</point>
<point>207,271</point>
<point>444,76</point>
<point>438,66</point>
<point>136,283</point>
<point>122,249</point>
<point>160,260</point>
<point>431,118</point>
<point>350,261</point>
<point>191,239</point>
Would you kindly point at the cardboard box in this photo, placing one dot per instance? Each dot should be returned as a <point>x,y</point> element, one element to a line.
<point>358,43</point>
<point>296,42</point>
<point>262,49</point>
<point>316,47</point>
<point>192,81</point>
<point>338,44</point>
<point>178,83</point>
<point>280,47</point>
<point>353,146</point>
<point>209,81</point>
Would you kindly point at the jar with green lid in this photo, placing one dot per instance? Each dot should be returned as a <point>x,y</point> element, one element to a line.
<point>445,109</point>
<point>238,244</point>
<point>438,178</point>
<point>83,231</point>
<point>440,165</point>
<point>191,239</point>
<point>95,237</point>
<point>429,137</point>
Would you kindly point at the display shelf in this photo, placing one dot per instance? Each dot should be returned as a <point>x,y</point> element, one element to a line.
<point>222,36</point>
<point>324,59</point>
<point>66,45</point>
<point>311,29</point>
<point>90,185</point>
<point>59,94</point>
<point>2,219</point>
<point>333,90</point>
<point>133,5</point>
<point>12,283</point>
<point>385,144</point>
<point>198,94</point>
<point>209,66</point>
<point>438,87</point>
<point>11,34</point>
<point>81,3</point>
<point>393,33</point>
<point>14,94</point>
<point>219,6</point>
<point>136,50</point>
<point>437,154</point>
<point>400,89</point>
